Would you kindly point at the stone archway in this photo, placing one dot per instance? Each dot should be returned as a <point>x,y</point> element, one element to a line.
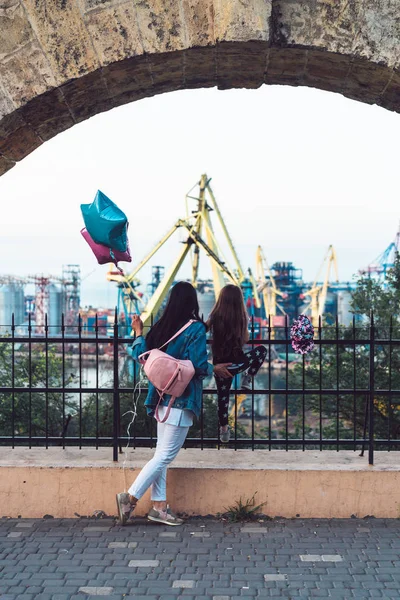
<point>63,61</point>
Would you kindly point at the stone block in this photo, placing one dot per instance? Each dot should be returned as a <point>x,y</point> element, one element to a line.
<point>199,22</point>
<point>161,25</point>
<point>285,66</point>
<point>48,114</point>
<point>115,33</point>
<point>17,142</point>
<point>200,67</point>
<point>15,29</point>
<point>63,37</point>
<point>129,77</point>
<point>241,65</point>
<point>86,96</point>
<point>242,21</point>
<point>26,74</point>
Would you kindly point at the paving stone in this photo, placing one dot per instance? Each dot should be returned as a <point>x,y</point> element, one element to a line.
<point>15,534</point>
<point>296,559</point>
<point>96,591</point>
<point>144,563</point>
<point>183,583</point>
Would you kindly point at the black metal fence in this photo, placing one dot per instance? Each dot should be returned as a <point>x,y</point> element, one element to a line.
<point>76,386</point>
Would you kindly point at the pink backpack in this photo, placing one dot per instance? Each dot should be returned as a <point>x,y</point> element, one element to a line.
<point>168,375</point>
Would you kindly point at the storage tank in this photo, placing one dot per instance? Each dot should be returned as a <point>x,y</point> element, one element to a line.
<point>11,302</point>
<point>55,309</point>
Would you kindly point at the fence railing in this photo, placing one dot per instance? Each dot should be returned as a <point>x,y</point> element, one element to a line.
<point>76,386</point>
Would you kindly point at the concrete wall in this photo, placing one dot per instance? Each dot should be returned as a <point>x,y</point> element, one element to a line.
<point>310,484</point>
<point>64,61</point>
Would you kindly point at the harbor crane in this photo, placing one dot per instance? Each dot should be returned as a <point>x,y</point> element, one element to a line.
<point>200,238</point>
<point>267,286</point>
<point>318,292</point>
<point>379,267</point>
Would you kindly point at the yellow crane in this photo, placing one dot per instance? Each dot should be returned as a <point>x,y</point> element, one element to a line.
<point>267,285</point>
<point>318,291</point>
<point>200,236</point>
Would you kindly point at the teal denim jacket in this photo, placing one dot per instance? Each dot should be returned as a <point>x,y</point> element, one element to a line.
<point>189,345</point>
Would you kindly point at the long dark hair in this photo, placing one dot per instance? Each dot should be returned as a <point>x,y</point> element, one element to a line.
<point>228,322</point>
<point>182,306</point>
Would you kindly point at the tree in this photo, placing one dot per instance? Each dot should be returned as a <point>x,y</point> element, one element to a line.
<point>33,413</point>
<point>347,366</point>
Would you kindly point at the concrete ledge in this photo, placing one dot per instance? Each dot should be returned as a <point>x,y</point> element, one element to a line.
<point>72,482</point>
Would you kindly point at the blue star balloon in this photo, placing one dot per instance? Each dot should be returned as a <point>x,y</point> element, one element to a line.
<point>105,222</point>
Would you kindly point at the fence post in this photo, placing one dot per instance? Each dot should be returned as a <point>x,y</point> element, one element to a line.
<point>116,408</point>
<point>371,391</point>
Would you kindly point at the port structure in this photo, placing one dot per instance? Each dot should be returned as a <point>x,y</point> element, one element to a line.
<point>69,284</point>
<point>267,287</point>
<point>201,237</point>
<point>318,291</point>
<point>378,268</point>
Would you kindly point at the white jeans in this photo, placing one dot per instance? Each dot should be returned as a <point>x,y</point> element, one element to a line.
<point>170,439</point>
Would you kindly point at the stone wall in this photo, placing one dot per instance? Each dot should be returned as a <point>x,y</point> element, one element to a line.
<point>63,61</point>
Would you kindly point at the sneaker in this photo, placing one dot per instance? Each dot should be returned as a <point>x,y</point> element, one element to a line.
<point>246,383</point>
<point>125,508</point>
<point>224,436</point>
<point>164,516</point>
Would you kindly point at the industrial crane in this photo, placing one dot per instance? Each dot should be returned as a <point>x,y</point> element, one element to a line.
<point>384,262</point>
<point>318,292</point>
<point>267,286</point>
<point>200,236</point>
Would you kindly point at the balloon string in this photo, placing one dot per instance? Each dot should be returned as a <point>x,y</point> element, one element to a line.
<point>137,390</point>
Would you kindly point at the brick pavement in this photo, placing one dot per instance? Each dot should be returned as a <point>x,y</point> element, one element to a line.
<point>62,559</point>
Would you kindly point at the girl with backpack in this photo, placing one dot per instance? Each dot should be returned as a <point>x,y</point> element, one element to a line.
<point>228,324</point>
<point>182,310</point>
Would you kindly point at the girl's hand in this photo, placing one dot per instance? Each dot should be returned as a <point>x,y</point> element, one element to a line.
<point>221,370</point>
<point>137,325</point>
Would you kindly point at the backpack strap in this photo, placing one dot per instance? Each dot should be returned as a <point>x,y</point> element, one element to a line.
<point>142,357</point>
<point>170,403</point>
<point>182,329</point>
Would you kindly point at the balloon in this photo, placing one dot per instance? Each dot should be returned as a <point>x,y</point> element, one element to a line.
<point>104,254</point>
<point>106,223</point>
<point>302,335</point>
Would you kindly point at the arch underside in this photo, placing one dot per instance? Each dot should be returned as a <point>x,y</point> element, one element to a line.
<point>225,65</point>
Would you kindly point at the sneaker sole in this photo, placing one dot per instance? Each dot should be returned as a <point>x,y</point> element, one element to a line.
<point>156,520</point>
<point>122,517</point>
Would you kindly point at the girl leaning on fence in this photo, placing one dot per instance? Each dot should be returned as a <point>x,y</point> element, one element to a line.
<point>228,324</point>
<point>181,308</point>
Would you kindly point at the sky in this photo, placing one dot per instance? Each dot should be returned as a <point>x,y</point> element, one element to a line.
<point>293,169</point>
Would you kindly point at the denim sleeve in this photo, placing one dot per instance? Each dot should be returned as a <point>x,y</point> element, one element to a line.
<point>137,348</point>
<point>197,350</point>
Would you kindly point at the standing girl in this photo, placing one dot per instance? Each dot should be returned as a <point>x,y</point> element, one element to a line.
<point>181,308</point>
<point>228,323</point>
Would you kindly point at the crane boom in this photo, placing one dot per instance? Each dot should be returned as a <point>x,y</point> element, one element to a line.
<point>226,232</point>
<point>318,293</point>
